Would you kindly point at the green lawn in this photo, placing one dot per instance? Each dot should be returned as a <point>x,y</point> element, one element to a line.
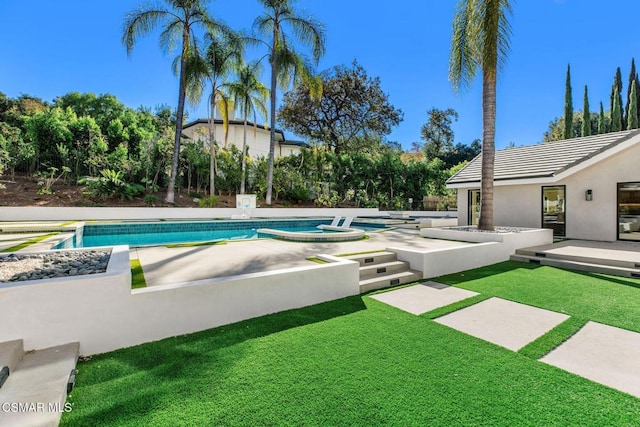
<point>360,362</point>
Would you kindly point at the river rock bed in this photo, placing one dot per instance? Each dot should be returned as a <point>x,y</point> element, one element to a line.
<point>20,267</point>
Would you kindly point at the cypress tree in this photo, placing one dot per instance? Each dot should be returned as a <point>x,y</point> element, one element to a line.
<point>568,107</point>
<point>632,77</point>
<point>633,107</point>
<point>617,88</point>
<point>616,113</point>
<point>586,114</point>
<point>637,80</point>
<point>602,123</point>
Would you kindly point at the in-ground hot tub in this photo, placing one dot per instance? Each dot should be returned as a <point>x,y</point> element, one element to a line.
<point>329,234</point>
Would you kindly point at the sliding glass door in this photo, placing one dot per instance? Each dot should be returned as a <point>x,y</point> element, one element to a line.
<point>629,211</point>
<point>554,209</point>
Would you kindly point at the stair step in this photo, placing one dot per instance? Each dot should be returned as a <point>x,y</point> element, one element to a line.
<point>375,270</point>
<point>386,281</point>
<point>581,266</point>
<point>39,379</point>
<point>578,258</point>
<point>373,258</point>
<point>11,353</point>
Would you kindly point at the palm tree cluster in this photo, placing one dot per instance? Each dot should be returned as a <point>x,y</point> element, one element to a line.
<point>217,66</point>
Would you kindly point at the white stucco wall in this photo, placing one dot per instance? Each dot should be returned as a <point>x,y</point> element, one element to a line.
<point>102,312</point>
<point>257,141</point>
<point>521,205</point>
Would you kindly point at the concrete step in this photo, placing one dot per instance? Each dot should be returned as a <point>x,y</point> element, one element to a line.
<point>11,353</point>
<point>374,270</point>
<point>579,258</point>
<point>381,282</point>
<point>39,385</point>
<point>580,266</point>
<point>373,258</point>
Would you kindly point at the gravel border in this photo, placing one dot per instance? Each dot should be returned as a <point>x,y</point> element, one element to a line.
<point>21,267</point>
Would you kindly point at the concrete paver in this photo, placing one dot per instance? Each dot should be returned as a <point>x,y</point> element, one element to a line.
<point>601,353</point>
<point>506,323</point>
<point>419,299</point>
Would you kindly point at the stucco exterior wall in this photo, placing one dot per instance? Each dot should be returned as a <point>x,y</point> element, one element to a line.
<point>520,205</point>
<point>257,139</point>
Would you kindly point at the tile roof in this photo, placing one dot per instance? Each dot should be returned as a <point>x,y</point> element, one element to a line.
<point>541,160</point>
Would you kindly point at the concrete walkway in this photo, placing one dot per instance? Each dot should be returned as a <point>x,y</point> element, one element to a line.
<point>162,265</point>
<point>600,353</point>
<point>427,296</point>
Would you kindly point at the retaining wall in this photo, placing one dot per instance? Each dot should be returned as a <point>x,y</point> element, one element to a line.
<point>102,312</point>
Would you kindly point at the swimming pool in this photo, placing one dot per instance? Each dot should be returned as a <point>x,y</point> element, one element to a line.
<point>164,233</point>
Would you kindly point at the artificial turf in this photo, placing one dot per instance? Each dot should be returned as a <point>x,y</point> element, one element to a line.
<point>355,362</point>
<point>614,301</point>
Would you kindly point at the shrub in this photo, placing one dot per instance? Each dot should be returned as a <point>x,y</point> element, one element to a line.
<point>111,184</point>
<point>300,193</point>
<point>48,178</point>
<point>208,202</point>
<point>150,199</point>
<point>195,195</point>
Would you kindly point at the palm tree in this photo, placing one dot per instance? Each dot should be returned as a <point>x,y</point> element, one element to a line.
<point>249,95</point>
<point>223,53</point>
<point>180,18</point>
<point>481,32</point>
<point>284,61</point>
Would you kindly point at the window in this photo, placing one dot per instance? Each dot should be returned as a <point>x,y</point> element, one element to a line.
<point>474,207</point>
<point>629,211</point>
<point>554,209</point>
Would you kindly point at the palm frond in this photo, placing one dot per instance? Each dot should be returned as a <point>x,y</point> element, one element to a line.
<point>310,32</point>
<point>139,23</point>
<point>464,60</point>
<point>171,35</point>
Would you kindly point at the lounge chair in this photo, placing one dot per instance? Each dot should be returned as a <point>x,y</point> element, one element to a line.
<point>347,222</point>
<point>334,223</point>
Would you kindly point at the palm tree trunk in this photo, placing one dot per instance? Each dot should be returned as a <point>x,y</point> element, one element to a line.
<point>212,145</point>
<point>179,115</point>
<point>485,221</point>
<point>272,129</point>
<point>244,160</point>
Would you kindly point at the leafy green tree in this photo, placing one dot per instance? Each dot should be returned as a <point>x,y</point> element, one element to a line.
<point>555,131</point>
<point>616,97</point>
<point>586,115</point>
<point>633,107</point>
<point>353,106</point>
<point>249,96</point>
<point>568,107</point>
<point>277,24</point>
<point>180,19</point>
<point>616,112</point>
<point>480,40</point>
<point>437,133</point>
<point>602,123</point>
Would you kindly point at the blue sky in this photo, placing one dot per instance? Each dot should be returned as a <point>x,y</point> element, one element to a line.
<point>51,48</point>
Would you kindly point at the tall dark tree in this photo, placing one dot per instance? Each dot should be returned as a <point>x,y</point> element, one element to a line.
<point>279,24</point>
<point>568,106</point>
<point>437,133</point>
<point>586,114</point>
<point>602,123</point>
<point>616,112</point>
<point>633,107</point>
<point>353,106</point>
<point>180,18</point>
<point>616,96</point>
<point>632,77</point>
<point>481,32</point>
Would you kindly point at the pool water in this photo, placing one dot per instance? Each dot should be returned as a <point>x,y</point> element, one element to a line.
<point>163,233</point>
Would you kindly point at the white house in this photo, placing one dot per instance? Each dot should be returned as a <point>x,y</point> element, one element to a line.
<point>257,137</point>
<point>582,188</point>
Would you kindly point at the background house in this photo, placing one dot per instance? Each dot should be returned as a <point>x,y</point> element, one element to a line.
<point>582,188</point>
<point>257,137</point>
